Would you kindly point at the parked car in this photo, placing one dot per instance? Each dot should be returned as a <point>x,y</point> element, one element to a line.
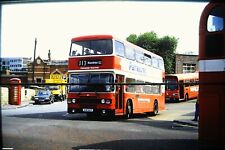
<point>44,96</point>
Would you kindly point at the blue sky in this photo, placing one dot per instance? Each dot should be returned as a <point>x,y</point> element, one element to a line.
<point>54,24</point>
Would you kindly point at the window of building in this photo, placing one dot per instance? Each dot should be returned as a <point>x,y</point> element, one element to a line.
<point>38,80</point>
<point>189,68</point>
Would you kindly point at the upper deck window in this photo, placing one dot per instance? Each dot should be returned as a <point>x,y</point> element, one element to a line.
<point>140,56</point>
<point>119,48</point>
<point>215,20</point>
<point>155,62</point>
<point>91,47</point>
<point>148,59</point>
<point>215,40</point>
<point>130,53</point>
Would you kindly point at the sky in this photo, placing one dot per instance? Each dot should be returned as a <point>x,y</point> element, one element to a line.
<point>55,24</point>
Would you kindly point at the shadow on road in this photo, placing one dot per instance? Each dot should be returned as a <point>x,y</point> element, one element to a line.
<point>154,144</point>
<point>63,115</point>
<point>189,114</point>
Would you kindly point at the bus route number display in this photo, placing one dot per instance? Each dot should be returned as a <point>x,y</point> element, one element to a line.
<point>84,63</point>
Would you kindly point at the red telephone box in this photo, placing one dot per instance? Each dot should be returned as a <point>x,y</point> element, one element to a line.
<point>15,91</point>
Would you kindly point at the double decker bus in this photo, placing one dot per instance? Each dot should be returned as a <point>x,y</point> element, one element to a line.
<point>181,86</point>
<point>212,73</point>
<point>114,77</point>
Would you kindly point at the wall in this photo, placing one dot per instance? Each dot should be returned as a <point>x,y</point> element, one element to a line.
<point>185,59</point>
<point>26,94</point>
<point>4,95</point>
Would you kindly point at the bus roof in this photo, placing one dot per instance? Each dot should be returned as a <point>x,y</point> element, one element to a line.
<point>183,76</point>
<point>91,37</point>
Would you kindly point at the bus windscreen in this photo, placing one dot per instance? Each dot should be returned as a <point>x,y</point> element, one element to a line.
<point>101,79</point>
<point>171,84</point>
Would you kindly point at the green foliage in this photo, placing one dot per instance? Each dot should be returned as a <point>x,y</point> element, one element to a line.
<point>165,47</point>
<point>132,38</point>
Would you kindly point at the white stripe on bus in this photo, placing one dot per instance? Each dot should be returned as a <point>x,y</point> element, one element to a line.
<point>216,65</point>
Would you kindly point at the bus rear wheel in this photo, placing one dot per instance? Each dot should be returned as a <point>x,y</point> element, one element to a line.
<point>186,97</point>
<point>155,108</point>
<point>129,109</point>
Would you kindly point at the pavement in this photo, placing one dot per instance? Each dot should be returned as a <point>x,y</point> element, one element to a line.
<point>186,122</point>
<point>23,104</point>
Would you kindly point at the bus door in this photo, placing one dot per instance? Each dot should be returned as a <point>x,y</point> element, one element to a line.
<point>119,94</point>
<point>181,89</point>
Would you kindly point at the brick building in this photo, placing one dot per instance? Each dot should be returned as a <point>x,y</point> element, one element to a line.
<point>41,69</point>
<point>186,63</point>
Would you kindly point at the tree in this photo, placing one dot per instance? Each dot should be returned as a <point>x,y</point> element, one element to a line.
<point>132,38</point>
<point>165,47</point>
<point>148,41</point>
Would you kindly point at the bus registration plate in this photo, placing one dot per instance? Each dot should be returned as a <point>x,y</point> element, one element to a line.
<point>88,110</point>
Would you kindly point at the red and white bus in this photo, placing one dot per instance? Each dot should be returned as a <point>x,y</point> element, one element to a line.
<point>181,86</point>
<point>212,73</point>
<point>105,60</point>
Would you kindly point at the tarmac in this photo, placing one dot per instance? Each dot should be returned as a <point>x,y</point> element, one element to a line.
<point>181,120</point>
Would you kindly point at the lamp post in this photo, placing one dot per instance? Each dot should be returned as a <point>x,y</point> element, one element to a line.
<point>35,44</point>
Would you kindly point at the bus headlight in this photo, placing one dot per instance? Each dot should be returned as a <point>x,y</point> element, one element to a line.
<point>103,101</point>
<point>73,100</point>
<point>68,101</point>
<point>106,101</point>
